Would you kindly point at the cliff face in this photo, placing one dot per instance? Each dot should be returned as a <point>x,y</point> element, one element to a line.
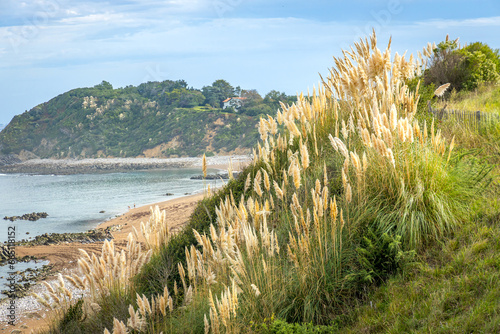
<point>125,122</point>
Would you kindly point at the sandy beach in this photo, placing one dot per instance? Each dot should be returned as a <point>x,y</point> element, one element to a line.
<point>31,315</point>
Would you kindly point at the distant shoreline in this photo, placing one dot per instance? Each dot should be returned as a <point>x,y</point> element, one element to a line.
<point>109,165</point>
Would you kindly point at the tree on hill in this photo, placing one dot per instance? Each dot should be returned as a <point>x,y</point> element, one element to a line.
<point>274,97</point>
<point>252,96</point>
<point>482,65</point>
<point>104,85</point>
<point>218,92</point>
<point>155,89</point>
<point>184,98</point>
<point>492,54</point>
<point>463,67</point>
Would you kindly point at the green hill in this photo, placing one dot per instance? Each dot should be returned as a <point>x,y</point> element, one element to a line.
<point>154,119</point>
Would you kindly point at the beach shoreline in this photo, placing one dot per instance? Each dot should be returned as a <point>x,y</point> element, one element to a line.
<point>113,165</point>
<point>64,256</point>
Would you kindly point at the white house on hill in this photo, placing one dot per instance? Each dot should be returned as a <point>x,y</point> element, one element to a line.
<point>234,102</point>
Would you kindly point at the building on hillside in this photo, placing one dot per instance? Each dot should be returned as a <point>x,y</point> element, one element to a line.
<point>234,102</point>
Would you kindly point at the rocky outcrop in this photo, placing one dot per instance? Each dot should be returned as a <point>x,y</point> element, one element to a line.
<point>9,159</point>
<point>106,165</point>
<point>64,167</point>
<point>5,253</point>
<point>24,280</point>
<point>34,216</point>
<point>83,237</point>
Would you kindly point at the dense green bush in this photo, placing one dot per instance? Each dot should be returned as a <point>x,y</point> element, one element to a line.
<point>463,67</point>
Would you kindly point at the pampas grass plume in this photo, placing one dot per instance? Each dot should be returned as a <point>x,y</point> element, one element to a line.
<point>296,176</point>
<point>204,165</point>
<point>441,89</point>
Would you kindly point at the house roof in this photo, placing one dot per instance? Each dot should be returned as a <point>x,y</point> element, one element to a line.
<point>236,98</point>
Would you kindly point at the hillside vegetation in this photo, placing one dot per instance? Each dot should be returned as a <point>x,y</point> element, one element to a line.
<point>485,98</point>
<point>155,119</point>
<point>360,214</point>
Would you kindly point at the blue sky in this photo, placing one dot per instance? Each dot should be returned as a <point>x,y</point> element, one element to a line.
<point>48,47</point>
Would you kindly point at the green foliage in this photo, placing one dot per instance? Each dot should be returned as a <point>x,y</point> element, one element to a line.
<point>381,256</point>
<point>491,54</point>
<point>256,110</point>
<point>274,97</point>
<point>255,105</point>
<point>426,93</point>
<point>74,315</point>
<point>104,85</point>
<point>278,326</point>
<point>218,92</point>
<point>184,98</point>
<point>463,67</point>
<point>480,69</point>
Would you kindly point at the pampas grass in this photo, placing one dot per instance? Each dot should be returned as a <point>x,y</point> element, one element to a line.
<point>441,89</point>
<point>347,158</point>
<point>392,176</point>
<point>156,231</point>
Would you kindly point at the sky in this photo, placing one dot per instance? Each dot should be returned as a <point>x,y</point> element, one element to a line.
<point>48,47</point>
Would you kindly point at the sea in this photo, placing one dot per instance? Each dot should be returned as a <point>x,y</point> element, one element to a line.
<point>77,203</point>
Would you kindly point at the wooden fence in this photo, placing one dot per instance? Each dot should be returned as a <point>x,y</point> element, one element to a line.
<point>471,119</point>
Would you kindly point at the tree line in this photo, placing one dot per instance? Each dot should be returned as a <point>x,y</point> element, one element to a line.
<point>177,94</point>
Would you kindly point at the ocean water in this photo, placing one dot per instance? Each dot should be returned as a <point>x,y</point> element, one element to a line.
<point>74,202</point>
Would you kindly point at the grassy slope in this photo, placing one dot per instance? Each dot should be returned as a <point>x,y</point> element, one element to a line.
<point>450,287</point>
<point>454,290</point>
<point>453,285</point>
<point>484,98</point>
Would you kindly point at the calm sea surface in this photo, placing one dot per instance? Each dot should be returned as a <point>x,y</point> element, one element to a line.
<point>74,202</point>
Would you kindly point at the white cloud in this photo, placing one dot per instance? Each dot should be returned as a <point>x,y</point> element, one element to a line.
<point>92,18</point>
<point>474,22</point>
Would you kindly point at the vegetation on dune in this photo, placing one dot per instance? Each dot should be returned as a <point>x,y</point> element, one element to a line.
<point>360,213</point>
